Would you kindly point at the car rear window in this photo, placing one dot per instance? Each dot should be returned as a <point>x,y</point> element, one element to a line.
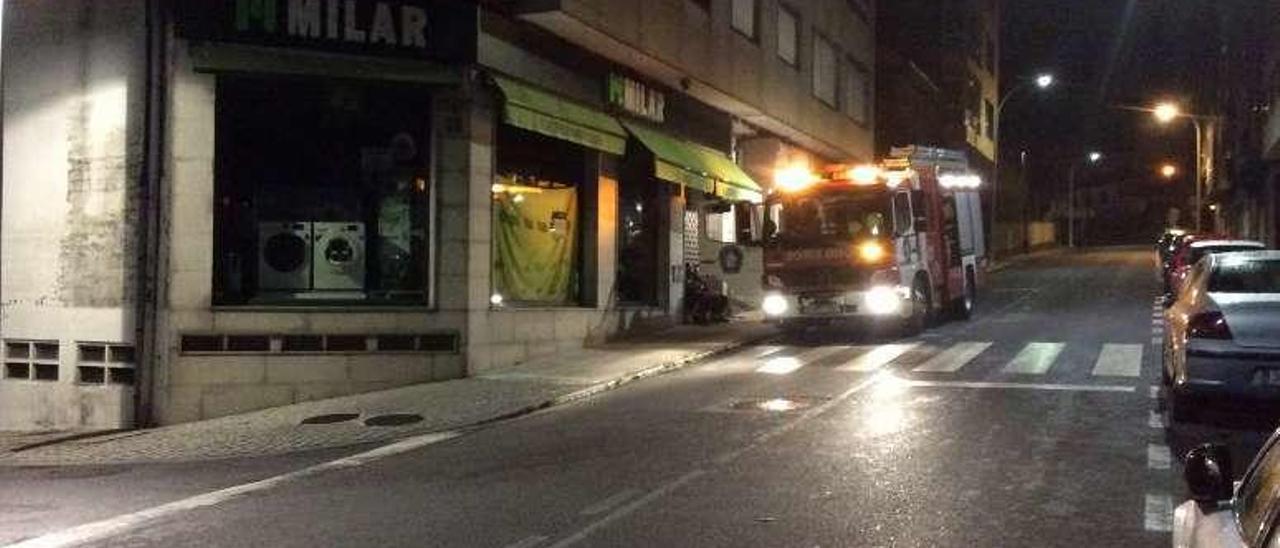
<point>1246,276</point>
<point>1199,252</point>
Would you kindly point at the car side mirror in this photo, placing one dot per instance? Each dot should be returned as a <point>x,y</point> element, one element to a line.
<point>1208,473</point>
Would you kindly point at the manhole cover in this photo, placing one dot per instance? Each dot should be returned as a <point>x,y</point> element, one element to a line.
<point>330,418</point>
<point>782,404</point>
<point>396,419</point>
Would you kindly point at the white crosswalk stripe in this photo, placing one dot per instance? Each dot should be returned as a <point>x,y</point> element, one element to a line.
<point>953,358</point>
<point>1036,358</point>
<point>876,357</point>
<point>1119,360</point>
<point>788,364</point>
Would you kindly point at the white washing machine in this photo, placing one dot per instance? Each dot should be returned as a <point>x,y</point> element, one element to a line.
<point>339,256</point>
<point>284,255</point>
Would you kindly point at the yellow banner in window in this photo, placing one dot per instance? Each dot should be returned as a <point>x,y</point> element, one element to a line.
<point>535,243</point>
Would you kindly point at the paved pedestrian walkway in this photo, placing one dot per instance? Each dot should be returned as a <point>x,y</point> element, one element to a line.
<point>409,410</point>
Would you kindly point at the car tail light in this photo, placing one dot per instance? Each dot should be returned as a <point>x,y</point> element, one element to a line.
<point>1208,325</point>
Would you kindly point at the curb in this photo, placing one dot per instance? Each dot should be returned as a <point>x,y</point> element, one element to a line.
<point>613,384</point>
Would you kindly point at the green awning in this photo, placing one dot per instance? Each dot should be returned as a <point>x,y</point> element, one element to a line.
<point>693,165</point>
<point>541,112</point>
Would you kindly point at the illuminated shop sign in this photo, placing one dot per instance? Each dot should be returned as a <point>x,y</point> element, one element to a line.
<point>442,30</point>
<point>636,98</point>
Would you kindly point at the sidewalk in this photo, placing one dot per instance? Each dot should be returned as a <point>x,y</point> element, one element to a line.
<point>411,410</point>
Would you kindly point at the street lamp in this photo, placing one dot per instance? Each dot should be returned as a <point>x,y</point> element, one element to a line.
<point>1168,171</point>
<point>1094,157</point>
<point>1042,81</point>
<point>1168,112</point>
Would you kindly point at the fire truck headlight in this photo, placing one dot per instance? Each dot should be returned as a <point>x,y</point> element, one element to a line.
<point>774,304</point>
<point>871,252</point>
<point>883,301</point>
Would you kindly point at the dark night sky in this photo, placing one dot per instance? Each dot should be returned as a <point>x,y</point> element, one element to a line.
<point>1106,54</point>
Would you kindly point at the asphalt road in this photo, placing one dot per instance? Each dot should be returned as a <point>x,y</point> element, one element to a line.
<point>1034,424</point>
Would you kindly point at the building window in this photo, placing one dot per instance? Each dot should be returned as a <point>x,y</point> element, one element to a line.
<point>788,36</point>
<point>989,110</point>
<point>853,92</point>
<point>824,70</point>
<point>323,192</point>
<point>537,220</point>
<point>745,17</point>
<point>722,226</point>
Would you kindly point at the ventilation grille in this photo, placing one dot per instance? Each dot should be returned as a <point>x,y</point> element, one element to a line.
<point>31,360</point>
<point>105,363</point>
<point>423,343</point>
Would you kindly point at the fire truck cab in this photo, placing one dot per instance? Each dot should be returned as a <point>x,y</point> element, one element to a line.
<point>898,242</point>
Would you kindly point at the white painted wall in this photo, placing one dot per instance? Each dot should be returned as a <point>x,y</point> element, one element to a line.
<point>67,227</point>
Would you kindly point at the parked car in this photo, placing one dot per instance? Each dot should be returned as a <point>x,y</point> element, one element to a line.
<point>1175,246</point>
<point>1222,335</point>
<point>1165,245</point>
<point>1191,253</point>
<point>1220,514</point>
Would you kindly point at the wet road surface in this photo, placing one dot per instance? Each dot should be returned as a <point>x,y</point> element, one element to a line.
<point>1037,423</point>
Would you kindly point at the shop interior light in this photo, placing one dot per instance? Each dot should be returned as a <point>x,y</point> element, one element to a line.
<point>864,174</point>
<point>514,189</point>
<point>960,181</point>
<point>793,178</point>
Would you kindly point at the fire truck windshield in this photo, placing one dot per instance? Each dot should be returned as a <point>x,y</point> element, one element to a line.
<point>830,214</point>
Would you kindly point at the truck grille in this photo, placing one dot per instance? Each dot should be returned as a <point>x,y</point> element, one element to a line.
<point>823,279</point>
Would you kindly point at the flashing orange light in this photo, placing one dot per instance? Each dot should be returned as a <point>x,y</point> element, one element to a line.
<point>794,178</point>
<point>864,174</point>
<point>871,251</point>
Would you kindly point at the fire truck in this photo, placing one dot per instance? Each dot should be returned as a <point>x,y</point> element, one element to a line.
<point>895,243</point>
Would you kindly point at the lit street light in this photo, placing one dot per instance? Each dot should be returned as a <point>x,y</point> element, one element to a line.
<point>1042,81</point>
<point>1095,157</point>
<point>1168,171</point>
<point>1166,112</point>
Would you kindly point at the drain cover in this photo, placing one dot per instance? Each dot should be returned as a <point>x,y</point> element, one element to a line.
<point>395,419</point>
<point>330,418</point>
<point>782,404</point>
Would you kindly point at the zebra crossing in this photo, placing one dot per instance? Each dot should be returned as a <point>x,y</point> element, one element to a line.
<point>1035,358</point>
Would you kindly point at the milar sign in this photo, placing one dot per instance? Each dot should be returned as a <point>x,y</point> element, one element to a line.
<point>436,29</point>
<point>636,98</point>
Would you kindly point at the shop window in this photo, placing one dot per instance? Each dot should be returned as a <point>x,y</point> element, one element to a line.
<point>537,221</point>
<point>641,208</point>
<point>323,192</point>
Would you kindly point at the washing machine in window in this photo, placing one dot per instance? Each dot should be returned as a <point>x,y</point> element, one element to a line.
<point>284,256</point>
<point>339,256</point>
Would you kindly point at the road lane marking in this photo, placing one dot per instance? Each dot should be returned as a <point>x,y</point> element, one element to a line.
<point>1023,386</point>
<point>528,542</point>
<point>628,509</point>
<point>97,530</point>
<point>610,502</point>
<point>780,366</point>
<point>1035,359</point>
<point>768,350</point>
<point>1155,420</point>
<point>877,357</point>
<point>1158,513</point>
<point>1119,360</point>
<point>953,358</point>
<point>1158,456</point>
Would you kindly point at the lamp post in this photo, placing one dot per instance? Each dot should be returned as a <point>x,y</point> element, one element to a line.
<point>1041,81</point>
<point>1093,157</point>
<point>1166,113</point>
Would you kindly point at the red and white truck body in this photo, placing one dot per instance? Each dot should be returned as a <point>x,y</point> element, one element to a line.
<point>899,241</point>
